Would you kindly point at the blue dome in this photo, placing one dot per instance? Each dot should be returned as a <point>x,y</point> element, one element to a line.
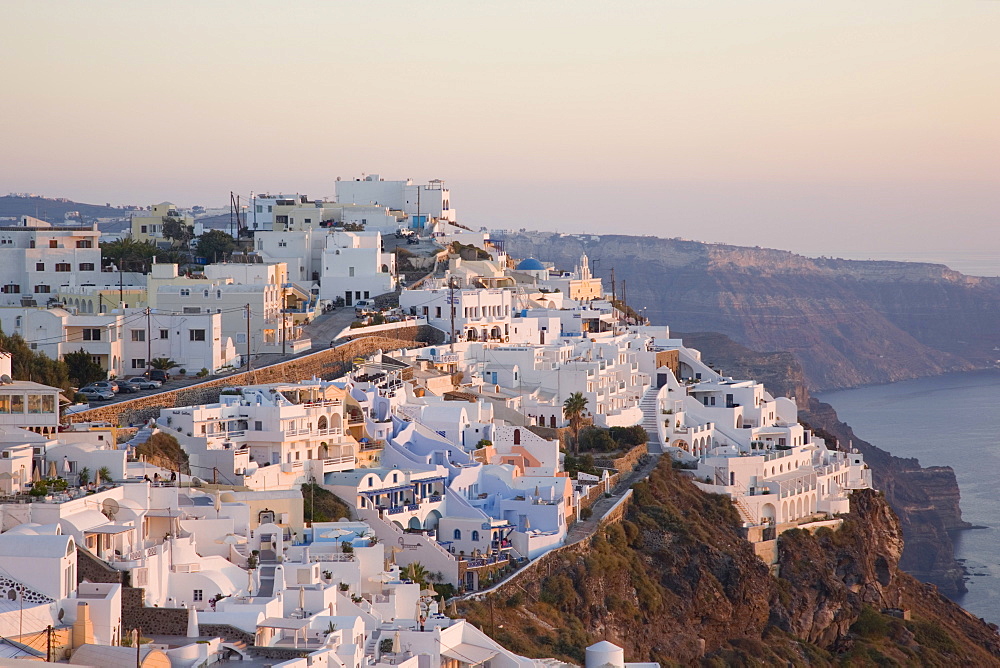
<point>531,264</point>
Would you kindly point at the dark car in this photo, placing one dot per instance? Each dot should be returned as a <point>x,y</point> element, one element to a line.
<point>158,374</point>
<point>127,388</point>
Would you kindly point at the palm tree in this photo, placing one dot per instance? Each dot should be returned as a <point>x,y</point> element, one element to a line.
<point>105,474</point>
<point>574,409</point>
<point>84,476</point>
<point>163,363</point>
<point>415,572</point>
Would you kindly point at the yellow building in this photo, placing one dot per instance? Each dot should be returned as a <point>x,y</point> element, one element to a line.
<point>149,227</point>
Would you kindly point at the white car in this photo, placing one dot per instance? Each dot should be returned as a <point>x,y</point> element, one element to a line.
<point>141,383</point>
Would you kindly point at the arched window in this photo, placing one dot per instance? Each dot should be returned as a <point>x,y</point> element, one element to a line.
<point>458,534</point>
<point>517,437</point>
<point>321,423</point>
<point>475,536</point>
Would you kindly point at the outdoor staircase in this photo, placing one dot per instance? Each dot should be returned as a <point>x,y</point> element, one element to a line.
<point>141,436</point>
<point>237,646</point>
<point>744,511</point>
<point>650,415</point>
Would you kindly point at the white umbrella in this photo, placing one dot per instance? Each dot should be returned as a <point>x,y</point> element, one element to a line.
<point>53,473</point>
<point>335,533</point>
<point>97,478</point>
<point>302,599</point>
<point>65,464</point>
<point>218,503</point>
<point>231,539</point>
<point>397,646</point>
<point>527,522</point>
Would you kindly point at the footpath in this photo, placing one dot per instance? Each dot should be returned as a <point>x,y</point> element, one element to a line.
<point>585,528</point>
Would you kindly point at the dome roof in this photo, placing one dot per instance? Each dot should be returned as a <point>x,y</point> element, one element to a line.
<point>530,264</point>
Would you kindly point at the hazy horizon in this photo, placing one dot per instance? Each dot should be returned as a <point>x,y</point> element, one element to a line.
<point>797,125</point>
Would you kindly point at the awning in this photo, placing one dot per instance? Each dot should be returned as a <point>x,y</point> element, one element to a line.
<point>470,654</point>
<point>111,529</point>
<point>282,623</point>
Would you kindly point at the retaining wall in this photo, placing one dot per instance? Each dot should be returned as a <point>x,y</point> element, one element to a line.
<point>327,363</point>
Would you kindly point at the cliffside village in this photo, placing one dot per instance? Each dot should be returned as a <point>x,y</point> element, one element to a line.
<point>448,456</point>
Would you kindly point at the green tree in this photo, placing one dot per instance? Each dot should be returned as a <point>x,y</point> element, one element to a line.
<point>163,363</point>
<point>415,572</point>
<point>26,364</point>
<point>574,409</point>
<point>215,244</point>
<point>82,368</point>
<point>127,254</point>
<point>175,230</point>
<point>84,476</point>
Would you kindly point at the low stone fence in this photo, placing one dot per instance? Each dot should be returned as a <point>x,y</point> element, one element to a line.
<point>227,632</point>
<point>627,461</point>
<point>410,323</point>
<point>328,363</point>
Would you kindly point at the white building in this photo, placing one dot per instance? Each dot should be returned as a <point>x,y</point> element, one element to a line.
<point>421,202</point>
<point>355,267</point>
<point>37,259</point>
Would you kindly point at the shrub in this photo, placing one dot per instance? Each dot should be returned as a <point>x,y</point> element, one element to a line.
<point>202,373</point>
<point>629,436</point>
<point>183,372</point>
<point>597,439</point>
<point>385,645</point>
<point>586,513</point>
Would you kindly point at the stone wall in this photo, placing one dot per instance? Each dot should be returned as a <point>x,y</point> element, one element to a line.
<point>227,633</point>
<point>91,569</point>
<point>158,621</point>
<point>627,461</point>
<point>328,363</point>
<point>283,653</point>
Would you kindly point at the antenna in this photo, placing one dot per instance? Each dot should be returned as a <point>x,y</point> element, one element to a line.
<point>6,380</point>
<point>110,508</point>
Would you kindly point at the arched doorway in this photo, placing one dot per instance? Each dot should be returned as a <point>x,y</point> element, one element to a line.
<point>414,524</point>
<point>768,513</point>
<point>322,422</point>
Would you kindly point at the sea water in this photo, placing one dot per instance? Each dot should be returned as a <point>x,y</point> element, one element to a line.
<point>951,420</point>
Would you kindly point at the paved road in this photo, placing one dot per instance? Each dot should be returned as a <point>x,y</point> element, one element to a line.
<point>586,528</point>
<point>323,328</point>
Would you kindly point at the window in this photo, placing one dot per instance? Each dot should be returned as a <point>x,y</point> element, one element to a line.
<point>164,333</point>
<point>475,535</point>
<point>39,266</point>
<point>260,208</point>
<point>84,243</point>
<point>185,292</point>
<point>42,289</point>
<point>198,594</point>
<point>258,425</point>
<point>138,335</point>
<point>350,271</point>
<point>367,296</point>
<point>241,338</point>
<point>91,335</point>
<point>458,534</point>
<point>11,288</point>
<point>197,334</point>
<point>64,266</point>
<point>86,266</point>
<point>96,359</point>
<point>437,312</point>
<point>193,309</point>
<point>142,228</point>
<point>139,363</point>
<point>53,243</point>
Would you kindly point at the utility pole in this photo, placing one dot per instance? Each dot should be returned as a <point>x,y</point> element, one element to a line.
<point>231,203</point>
<point>149,342</point>
<point>48,643</point>
<point>249,358</point>
<point>614,294</point>
<point>624,312</point>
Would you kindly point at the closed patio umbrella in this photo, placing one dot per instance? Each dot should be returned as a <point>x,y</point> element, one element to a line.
<point>53,471</point>
<point>36,475</point>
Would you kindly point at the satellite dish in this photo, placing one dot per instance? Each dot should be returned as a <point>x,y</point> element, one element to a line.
<point>6,380</point>
<point>110,508</point>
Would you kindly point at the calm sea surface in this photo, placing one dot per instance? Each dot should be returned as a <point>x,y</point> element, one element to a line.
<point>951,420</point>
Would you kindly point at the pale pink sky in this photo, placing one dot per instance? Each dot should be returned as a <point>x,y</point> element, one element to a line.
<point>792,123</point>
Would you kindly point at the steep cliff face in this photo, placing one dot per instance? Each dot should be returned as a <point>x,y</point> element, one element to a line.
<point>848,323</point>
<point>926,500</point>
<point>675,582</point>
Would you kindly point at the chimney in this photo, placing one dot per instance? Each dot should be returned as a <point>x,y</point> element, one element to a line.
<point>83,628</point>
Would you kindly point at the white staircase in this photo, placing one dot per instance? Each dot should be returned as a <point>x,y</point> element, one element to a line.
<point>651,417</point>
<point>140,437</point>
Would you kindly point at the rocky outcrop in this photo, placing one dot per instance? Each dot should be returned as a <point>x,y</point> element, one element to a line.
<point>926,500</point>
<point>675,582</point>
<point>848,323</point>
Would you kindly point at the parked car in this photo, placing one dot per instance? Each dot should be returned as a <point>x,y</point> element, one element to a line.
<point>106,385</point>
<point>96,393</point>
<point>158,374</point>
<point>141,383</point>
<point>413,239</point>
<point>363,306</point>
<point>127,388</point>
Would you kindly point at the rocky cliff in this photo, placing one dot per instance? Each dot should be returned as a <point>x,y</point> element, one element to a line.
<point>848,323</point>
<point>675,582</point>
<point>925,499</point>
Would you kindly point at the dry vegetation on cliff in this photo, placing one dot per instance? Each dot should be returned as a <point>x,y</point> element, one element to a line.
<point>676,571</point>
